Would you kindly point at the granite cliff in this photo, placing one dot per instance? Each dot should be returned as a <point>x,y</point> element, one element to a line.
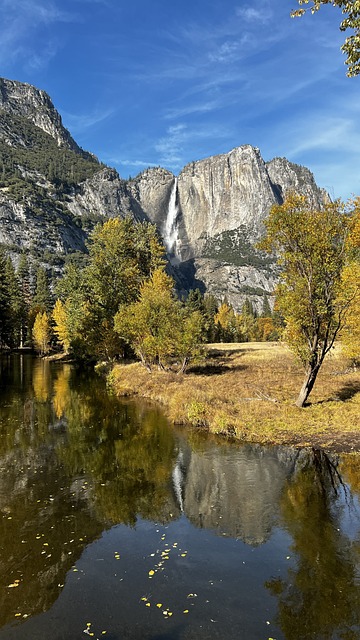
<point>210,216</point>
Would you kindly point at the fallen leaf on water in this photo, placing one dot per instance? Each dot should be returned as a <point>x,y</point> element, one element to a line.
<point>151,572</point>
<point>148,604</point>
<point>159,605</point>
<point>186,611</point>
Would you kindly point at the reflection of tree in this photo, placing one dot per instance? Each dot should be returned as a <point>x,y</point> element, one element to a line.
<point>61,390</point>
<point>41,380</point>
<point>126,453</point>
<point>48,510</point>
<point>320,597</point>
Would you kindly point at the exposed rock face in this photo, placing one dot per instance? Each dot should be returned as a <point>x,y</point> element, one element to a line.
<point>221,204</point>
<point>52,233</point>
<point>223,193</point>
<point>287,176</point>
<point>210,216</point>
<point>23,99</point>
<point>151,190</point>
<point>105,195</point>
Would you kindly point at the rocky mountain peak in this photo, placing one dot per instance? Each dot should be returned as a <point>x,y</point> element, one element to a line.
<point>22,99</point>
<point>210,215</point>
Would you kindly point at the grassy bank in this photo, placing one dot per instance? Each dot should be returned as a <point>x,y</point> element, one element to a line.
<point>248,391</point>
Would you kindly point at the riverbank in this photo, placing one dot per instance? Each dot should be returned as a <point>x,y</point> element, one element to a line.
<point>247,391</point>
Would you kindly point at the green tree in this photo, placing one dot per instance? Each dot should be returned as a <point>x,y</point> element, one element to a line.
<point>351,10</point>
<point>266,309</point>
<point>211,308</point>
<point>5,310</point>
<point>122,254</point>
<point>311,245</point>
<point>43,297</point>
<point>16,303</point>
<point>23,274</point>
<point>157,327</point>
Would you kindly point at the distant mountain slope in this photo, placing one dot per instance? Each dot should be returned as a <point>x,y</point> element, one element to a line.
<point>52,193</point>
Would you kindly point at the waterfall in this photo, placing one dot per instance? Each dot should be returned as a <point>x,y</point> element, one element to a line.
<point>170,231</point>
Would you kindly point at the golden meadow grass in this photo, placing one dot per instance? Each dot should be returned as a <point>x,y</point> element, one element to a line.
<point>248,390</point>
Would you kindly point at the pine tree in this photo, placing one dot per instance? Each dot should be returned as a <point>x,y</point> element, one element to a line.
<point>15,303</point>
<point>43,297</point>
<point>5,311</point>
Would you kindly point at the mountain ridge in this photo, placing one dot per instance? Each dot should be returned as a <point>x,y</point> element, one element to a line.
<point>52,193</point>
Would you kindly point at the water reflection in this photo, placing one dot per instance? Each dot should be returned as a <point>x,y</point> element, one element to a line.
<point>74,462</point>
<point>320,596</point>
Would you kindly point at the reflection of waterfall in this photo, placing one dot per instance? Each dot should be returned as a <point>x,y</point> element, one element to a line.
<point>178,480</point>
<point>170,231</point>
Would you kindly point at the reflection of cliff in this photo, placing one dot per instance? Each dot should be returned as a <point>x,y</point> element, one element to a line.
<point>236,490</point>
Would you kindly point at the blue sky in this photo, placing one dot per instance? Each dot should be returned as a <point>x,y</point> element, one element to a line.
<point>143,83</point>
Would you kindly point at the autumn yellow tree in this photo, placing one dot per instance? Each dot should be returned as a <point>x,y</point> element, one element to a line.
<point>60,318</point>
<point>41,333</point>
<point>311,245</point>
<point>350,290</point>
<point>225,320</point>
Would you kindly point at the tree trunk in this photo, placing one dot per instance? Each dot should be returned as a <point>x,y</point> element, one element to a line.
<point>308,384</point>
<point>184,364</point>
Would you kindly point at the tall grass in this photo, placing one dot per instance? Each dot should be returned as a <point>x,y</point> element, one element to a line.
<point>248,391</point>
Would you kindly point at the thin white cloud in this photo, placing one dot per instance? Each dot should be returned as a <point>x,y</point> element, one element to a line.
<point>190,109</point>
<point>173,147</point>
<point>133,163</point>
<point>250,14</point>
<point>227,52</point>
<point>326,133</point>
<point>77,123</point>
<point>19,21</point>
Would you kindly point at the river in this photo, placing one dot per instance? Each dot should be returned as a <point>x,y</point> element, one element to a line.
<point>114,524</point>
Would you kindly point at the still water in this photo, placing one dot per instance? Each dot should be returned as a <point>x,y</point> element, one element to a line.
<point>114,525</point>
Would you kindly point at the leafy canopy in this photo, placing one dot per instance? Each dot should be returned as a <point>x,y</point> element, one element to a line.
<point>311,245</point>
<point>351,10</point>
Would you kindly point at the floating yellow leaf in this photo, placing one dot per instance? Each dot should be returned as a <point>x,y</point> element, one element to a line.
<point>151,572</point>
<point>159,605</point>
<point>186,611</point>
<point>148,604</point>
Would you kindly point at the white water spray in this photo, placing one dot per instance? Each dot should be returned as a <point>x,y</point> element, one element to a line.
<point>170,231</point>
